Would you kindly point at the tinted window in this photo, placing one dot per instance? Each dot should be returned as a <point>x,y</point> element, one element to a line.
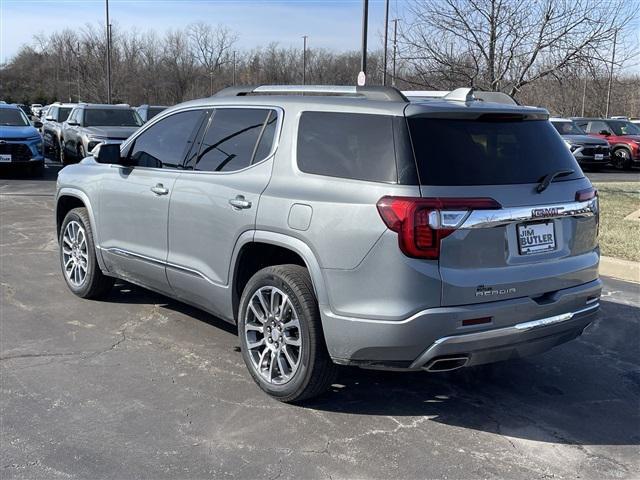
<point>230,140</point>
<point>622,127</point>
<point>111,117</point>
<point>567,128</point>
<point>153,111</point>
<point>12,117</point>
<point>267,138</point>
<point>490,152</point>
<point>63,114</point>
<point>347,145</point>
<point>598,127</point>
<point>166,143</point>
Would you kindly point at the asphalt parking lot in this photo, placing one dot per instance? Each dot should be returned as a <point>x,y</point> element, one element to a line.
<point>141,386</point>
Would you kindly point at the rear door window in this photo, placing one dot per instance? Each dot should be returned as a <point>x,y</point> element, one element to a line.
<point>347,145</point>
<point>488,152</point>
<point>231,141</point>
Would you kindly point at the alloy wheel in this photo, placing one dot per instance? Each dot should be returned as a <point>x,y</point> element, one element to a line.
<point>75,257</point>
<point>272,335</point>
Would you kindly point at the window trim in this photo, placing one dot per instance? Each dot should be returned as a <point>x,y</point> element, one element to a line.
<point>166,113</point>
<point>131,142</point>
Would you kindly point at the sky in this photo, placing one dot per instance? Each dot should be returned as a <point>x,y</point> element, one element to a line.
<point>331,24</point>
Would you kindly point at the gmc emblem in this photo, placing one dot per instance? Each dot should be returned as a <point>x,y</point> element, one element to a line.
<point>546,212</point>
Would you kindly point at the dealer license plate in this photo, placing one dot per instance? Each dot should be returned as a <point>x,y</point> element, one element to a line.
<point>536,237</point>
<point>5,157</point>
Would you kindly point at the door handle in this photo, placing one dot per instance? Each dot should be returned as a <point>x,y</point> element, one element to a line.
<point>239,202</point>
<point>159,189</point>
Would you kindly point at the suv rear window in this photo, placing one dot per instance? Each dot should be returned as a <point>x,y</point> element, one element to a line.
<point>347,145</point>
<point>488,151</point>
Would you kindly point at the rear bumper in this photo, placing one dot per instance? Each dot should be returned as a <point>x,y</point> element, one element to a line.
<point>517,327</point>
<point>520,340</point>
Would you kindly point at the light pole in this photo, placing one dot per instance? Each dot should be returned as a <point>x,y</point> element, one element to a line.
<point>211,84</point>
<point>234,68</point>
<point>304,59</point>
<point>613,59</point>
<point>386,35</point>
<point>78,62</point>
<point>108,53</point>
<point>395,49</point>
<point>365,25</point>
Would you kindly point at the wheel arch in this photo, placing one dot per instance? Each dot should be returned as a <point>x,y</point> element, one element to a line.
<point>282,248</point>
<point>66,200</point>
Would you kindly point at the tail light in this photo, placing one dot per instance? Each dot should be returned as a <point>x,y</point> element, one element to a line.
<point>587,194</point>
<point>421,223</point>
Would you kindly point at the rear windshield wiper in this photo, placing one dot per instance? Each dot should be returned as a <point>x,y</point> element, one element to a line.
<point>550,177</point>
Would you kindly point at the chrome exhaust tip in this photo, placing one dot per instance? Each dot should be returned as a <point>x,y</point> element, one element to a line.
<point>447,364</point>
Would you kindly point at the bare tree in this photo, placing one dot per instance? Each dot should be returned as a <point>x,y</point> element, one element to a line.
<point>508,44</point>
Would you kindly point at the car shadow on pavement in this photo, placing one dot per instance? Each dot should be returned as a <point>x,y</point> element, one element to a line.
<point>585,392</point>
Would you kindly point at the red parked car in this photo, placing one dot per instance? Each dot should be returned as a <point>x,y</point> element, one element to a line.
<point>622,135</point>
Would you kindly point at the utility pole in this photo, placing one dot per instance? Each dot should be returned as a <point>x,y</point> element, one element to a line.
<point>211,84</point>
<point>386,35</point>
<point>108,53</point>
<point>78,62</point>
<point>613,59</point>
<point>234,68</point>
<point>365,25</point>
<point>304,59</point>
<point>584,94</point>
<point>395,50</point>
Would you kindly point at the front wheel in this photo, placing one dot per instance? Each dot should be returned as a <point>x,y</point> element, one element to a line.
<point>78,257</point>
<point>281,334</point>
<point>622,159</point>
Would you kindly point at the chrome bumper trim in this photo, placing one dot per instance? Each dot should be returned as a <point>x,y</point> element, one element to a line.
<point>516,329</point>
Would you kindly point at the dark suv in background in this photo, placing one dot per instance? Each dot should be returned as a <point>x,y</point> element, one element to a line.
<point>592,153</point>
<point>622,135</point>
<point>54,118</point>
<point>91,124</point>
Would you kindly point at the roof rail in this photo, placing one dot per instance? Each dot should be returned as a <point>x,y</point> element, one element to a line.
<point>383,94</point>
<point>463,95</point>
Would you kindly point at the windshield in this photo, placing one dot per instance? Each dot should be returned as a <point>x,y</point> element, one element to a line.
<point>568,128</point>
<point>13,117</point>
<point>63,114</point>
<point>111,117</point>
<point>623,127</point>
<point>488,151</point>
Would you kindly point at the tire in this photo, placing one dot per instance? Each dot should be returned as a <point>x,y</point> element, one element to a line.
<point>94,284</point>
<point>622,159</point>
<point>282,377</point>
<point>62,155</point>
<point>81,152</point>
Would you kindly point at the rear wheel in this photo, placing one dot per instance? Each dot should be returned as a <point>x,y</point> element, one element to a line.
<point>281,334</point>
<point>78,257</point>
<point>62,154</point>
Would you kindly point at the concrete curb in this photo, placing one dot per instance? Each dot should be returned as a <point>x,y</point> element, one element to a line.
<point>620,269</point>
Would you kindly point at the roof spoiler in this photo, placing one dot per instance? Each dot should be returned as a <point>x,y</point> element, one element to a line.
<point>462,95</point>
<point>382,94</point>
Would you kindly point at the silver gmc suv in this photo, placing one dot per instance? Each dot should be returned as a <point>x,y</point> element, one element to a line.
<point>345,225</point>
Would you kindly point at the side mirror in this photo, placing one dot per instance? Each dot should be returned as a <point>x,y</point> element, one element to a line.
<point>37,124</point>
<point>49,119</point>
<point>606,133</point>
<point>73,123</point>
<point>107,153</point>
